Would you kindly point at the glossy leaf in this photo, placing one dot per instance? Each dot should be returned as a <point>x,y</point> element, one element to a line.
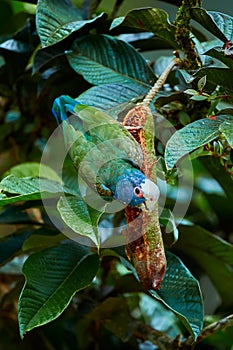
<point>29,188</point>
<point>53,276</point>
<point>148,20</point>
<point>42,239</point>
<point>219,24</point>
<point>14,184</point>
<point>198,98</point>
<point>163,98</point>
<point>212,254</point>
<point>167,219</point>
<point>218,53</point>
<point>15,215</point>
<point>115,314</point>
<point>190,137</point>
<point>81,218</point>
<point>214,166</point>
<point>224,23</point>
<point>150,43</point>
<point>47,56</point>
<point>102,59</point>
<point>33,169</point>
<point>54,26</point>
<point>180,292</point>
<point>12,245</point>
<point>17,48</point>
<point>227,129</point>
<point>201,83</point>
<point>107,96</point>
<point>217,76</point>
<point>23,42</point>
<point>70,178</point>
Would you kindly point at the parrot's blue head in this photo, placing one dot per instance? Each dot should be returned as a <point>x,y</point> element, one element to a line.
<point>135,189</point>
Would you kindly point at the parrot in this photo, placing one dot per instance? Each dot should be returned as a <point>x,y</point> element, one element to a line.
<point>104,152</point>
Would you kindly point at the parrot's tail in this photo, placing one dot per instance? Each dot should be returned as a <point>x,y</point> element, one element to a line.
<point>62,106</point>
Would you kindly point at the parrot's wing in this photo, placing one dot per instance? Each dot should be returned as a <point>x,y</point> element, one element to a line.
<point>94,140</point>
<point>111,136</point>
<point>99,128</point>
<point>79,147</point>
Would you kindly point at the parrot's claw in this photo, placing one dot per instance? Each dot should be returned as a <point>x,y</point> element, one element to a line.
<point>132,129</point>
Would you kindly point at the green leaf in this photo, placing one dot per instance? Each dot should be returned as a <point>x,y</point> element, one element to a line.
<point>116,317</point>
<point>181,293</point>
<point>201,83</point>
<point>18,48</point>
<point>191,92</point>
<point>214,166</point>
<point>41,239</point>
<point>81,218</point>
<point>12,245</point>
<point>13,184</point>
<point>198,98</point>
<point>192,136</point>
<point>167,219</point>
<point>163,98</point>
<point>219,24</point>
<point>184,118</point>
<point>217,76</point>
<point>102,59</point>
<point>54,26</point>
<point>218,53</point>
<point>224,23</point>
<point>53,276</point>
<point>22,42</point>
<point>148,20</point>
<point>108,96</point>
<point>70,177</point>
<point>146,42</point>
<point>33,169</point>
<point>212,254</point>
<point>15,214</point>
<point>227,129</point>
<point>29,188</point>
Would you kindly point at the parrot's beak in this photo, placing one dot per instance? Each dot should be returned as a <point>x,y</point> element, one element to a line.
<point>151,194</point>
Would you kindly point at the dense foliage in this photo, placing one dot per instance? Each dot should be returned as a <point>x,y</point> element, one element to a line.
<point>83,296</point>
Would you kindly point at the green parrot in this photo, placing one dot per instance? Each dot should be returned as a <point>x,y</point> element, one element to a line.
<point>106,155</point>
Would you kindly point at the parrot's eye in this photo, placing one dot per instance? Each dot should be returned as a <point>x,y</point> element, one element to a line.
<point>138,192</point>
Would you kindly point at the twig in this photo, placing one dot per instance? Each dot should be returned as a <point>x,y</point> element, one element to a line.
<point>116,8</point>
<point>210,329</point>
<point>216,326</point>
<point>143,236</point>
<point>161,80</point>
